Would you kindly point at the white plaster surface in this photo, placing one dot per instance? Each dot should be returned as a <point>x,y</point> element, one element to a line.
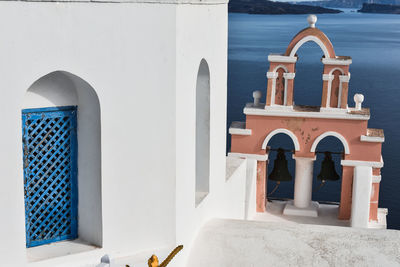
<point>131,54</point>
<point>251,188</point>
<point>237,243</point>
<point>360,200</point>
<point>239,128</point>
<point>58,249</point>
<point>303,182</point>
<point>327,215</point>
<point>251,110</point>
<point>202,131</point>
<point>232,165</point>
<point>310,211</point>
<point>65,89</point>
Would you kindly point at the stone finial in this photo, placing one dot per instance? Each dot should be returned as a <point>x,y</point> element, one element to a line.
<point>358,98</point>
<point>257,96</point>
<point>312,19</point>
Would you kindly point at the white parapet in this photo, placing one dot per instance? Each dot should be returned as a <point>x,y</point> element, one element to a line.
<point>362,183</point>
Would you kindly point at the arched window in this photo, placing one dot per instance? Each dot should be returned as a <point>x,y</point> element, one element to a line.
<point>335,88</point>
<point>280,87</point>
<point>62,171</point>
<point>202,132</point>
<point>332,189</point>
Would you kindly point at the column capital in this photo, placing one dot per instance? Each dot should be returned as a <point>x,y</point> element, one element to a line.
<point>289,75</point>
<point>327,77</point>
<point>272,75</point>
<point>344,78</point>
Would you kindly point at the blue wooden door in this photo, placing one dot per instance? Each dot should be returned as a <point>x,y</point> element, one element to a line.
<point>50,174</point>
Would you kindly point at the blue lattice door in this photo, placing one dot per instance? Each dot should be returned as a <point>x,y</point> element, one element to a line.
<point>50,174</point>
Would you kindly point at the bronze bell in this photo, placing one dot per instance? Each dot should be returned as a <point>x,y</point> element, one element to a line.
<point>328,172</point>
<point>280,172</point>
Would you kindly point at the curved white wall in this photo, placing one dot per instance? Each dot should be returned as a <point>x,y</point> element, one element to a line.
<point>52,90</point>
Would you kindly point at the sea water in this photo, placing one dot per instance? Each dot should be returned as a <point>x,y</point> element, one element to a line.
<point>373,42</point>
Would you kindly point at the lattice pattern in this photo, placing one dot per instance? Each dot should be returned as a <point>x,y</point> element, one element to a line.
<point>50,174</point>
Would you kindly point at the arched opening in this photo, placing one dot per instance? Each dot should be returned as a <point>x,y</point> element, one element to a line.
<point>330,191</point>
<point>202,157</point>
<point>335,88</point>
<point>72,178</point>
<point>280,87</point>
<point>286,188</point>
<point>308,82</point>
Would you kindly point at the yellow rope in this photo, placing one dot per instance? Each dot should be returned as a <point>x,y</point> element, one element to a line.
<point>276,187</point>
<point>153,261</point>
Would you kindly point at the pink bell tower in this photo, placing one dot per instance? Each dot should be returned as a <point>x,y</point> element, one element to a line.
<point>307,126</point>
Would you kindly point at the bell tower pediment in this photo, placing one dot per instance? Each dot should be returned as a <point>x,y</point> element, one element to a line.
<point>282,72</point>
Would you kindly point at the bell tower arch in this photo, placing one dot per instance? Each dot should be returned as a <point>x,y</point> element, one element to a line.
<point>282,72</point>
<point>361,159</point>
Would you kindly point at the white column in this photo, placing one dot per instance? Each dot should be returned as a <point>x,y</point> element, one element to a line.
<point>273,76</point>
<point>287,76</point>
<point>362,184</point>
<point>302,204</point>
<point>329,78</point>
<point>303,182</point>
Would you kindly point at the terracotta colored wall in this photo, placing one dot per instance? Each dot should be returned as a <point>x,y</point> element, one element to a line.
<point>324,94</point>
<point>289,66</point>
<point>289,97</point>
<point>306,131</point>
<point>344,68</point>
<point>373,211</point>
<point>343,103</point>
<point>376,171</point>
<point>261,185</point>
<point>346,193</point>
<point>334,100</point>
<point>269,91</point>
<point>280,87</point>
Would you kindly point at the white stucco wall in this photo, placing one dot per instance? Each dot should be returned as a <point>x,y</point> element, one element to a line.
<point>142,60</point>
<point>237,243</point>
<point>64,89</point>
<point>202,149</point>
<point>360,204</point>
<point>126,52</point>
<point>201,34</point>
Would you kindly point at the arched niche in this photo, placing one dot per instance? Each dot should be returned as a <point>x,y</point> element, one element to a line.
<point>335,87</point>
<point>202,156</point>
<point>280,87</point>
<point>61,88</point>
<point>280,138</point>
<point>284,131</point>
<point>331,190</point>
<point>334,134</point>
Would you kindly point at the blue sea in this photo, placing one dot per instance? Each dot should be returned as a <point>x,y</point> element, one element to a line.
<point>373,42</point>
